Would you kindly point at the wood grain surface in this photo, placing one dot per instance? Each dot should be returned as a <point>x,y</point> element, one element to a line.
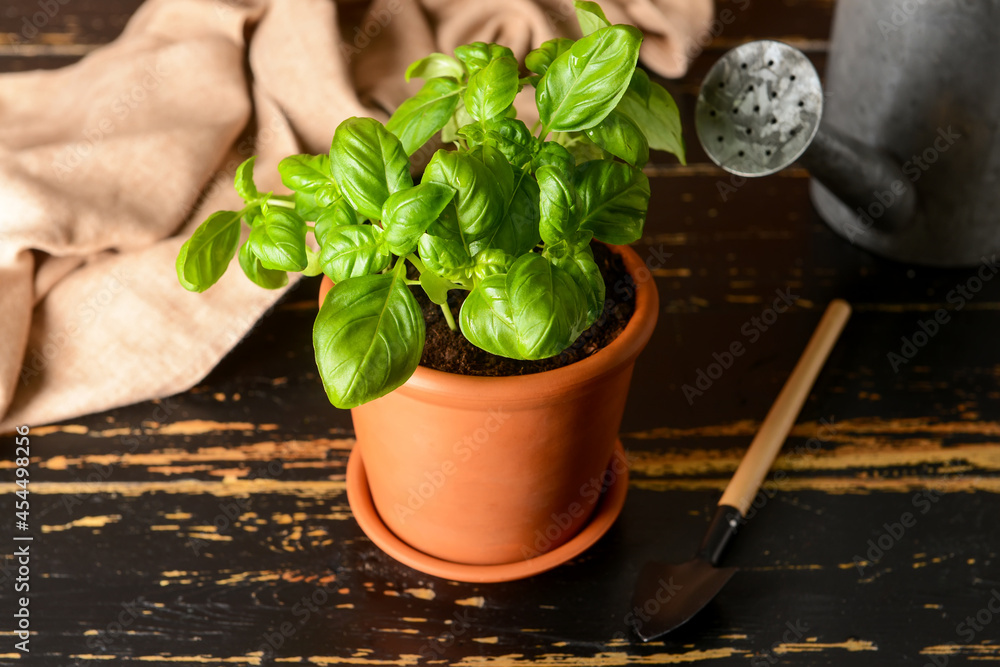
<point>212,527</point>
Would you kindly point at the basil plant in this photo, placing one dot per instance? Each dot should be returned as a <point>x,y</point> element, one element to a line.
<point>507,214</point>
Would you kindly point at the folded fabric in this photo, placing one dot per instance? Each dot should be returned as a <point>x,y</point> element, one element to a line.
<point>107,165</point>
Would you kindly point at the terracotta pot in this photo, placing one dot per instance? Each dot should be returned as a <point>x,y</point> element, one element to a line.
<point>492,470</point>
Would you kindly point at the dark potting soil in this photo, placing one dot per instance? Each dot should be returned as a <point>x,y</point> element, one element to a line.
<point>449,351</point>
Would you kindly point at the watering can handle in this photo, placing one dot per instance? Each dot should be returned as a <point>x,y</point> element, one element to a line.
<point>767,443</point>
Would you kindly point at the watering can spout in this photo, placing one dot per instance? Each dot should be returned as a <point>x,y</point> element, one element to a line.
<point>865,179</point>
<point>760,109</point>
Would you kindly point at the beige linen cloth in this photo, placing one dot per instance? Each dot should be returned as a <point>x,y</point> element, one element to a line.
<point>107,165</point>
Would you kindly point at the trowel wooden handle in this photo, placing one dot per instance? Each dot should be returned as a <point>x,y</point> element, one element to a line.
<point>765,446</point>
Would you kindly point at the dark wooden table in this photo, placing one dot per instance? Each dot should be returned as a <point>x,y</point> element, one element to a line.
<point>213,528</point>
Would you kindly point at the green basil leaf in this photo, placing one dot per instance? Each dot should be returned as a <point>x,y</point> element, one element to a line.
<point>577,259</point>
<point>444,249</point>
<point>256,272</point>
<point>539,60</point>
<point>314,266</point>
<point>517,232</point>
<point>479,54</point>
<point>337,214</point>
<point>368,338</point>
<point>583,149</point>
<point>620,136</point>
<point>583,85</point>
<point>651,108</point>
<point>554,155</point>
<point>425,114</point>
<point>309,174</point>
<point>495,161</point>
<point>436,65</point>
<point>206,255</point>
<point>310,205</point>
<point>492,261</point>
<point>436,287</point>
<point>350,251</point>
<point>486,318</point>
<point>509,135</point>
<point>477,198</point>
<point>447,257</point>
<point>613,200</point>
<point>279,240</point>
<point>591,16</point>
<point>461,118</point>
<point>369,163</point>
<point>244,180</point>
<point>492,89</point>
<point>547,307</point>
<point>407,214</point>
<point>557,205</point>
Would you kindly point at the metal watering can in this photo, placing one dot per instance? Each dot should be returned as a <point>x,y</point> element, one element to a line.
<point>904,149</point>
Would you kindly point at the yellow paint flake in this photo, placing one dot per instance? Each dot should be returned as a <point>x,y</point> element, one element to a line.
<point>402,631</point>
<point>212,537</point>
<point>851,645</point>
<point>77,429</point>
<point>599,660</point>
<point>200,426</point>
<point>976,651</point>
<point>84,522</point>
<point>742,298</point>
<point>177,516</point>
<point>404,660</point>
<point>55,463</point>
<point>671,273</point>
<point>241,577</point>
<point>421,593</point>
<point>486,640</point>
<point>250,659</point>
<point>477,601</point>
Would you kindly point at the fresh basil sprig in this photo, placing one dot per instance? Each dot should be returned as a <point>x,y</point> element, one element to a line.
<point>506,214</point>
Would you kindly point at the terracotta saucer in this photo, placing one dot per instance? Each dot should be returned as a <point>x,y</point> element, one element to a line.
<point>360,499</point>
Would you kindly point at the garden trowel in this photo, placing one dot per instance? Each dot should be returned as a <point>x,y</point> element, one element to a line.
<point>666,596</point>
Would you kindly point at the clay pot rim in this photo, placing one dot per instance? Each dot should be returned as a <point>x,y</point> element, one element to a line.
<point>512,390</point>
<point>459,389</point>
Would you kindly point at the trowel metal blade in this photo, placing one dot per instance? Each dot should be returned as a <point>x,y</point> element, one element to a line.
<point>667,596</point>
